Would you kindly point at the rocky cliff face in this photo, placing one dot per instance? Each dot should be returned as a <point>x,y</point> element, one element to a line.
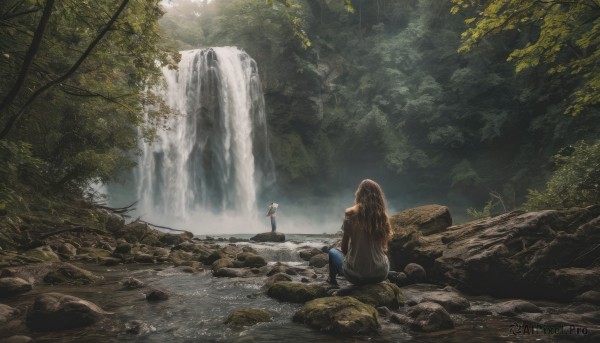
<point>550,254</point>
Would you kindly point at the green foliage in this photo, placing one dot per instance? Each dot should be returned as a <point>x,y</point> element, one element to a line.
<point>567,41</point>
<point>576,181</point>
<point>83,128</point>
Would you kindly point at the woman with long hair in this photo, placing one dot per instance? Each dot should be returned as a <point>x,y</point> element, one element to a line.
<point>367,230</point>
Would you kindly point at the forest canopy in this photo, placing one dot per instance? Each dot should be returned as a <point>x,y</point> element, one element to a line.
<point>441,101</point>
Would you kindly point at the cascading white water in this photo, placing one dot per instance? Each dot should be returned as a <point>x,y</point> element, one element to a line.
<point>215,156</point>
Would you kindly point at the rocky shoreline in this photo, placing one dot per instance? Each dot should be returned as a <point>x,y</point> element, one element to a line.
<point>439,270</point>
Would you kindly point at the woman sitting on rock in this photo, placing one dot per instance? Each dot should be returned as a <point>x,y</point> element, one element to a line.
<point>367,229</point>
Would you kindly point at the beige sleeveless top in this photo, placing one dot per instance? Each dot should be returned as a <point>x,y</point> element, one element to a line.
<point>365,260</point>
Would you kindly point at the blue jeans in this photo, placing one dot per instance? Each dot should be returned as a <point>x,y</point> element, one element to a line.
<point>273,224</point>
<point>336,263</point>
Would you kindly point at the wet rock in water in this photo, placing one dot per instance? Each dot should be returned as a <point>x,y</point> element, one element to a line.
<point>339,315</point>
<point>415,273</point>
<point>43,254</point>
<point>222,263</point>
<point>131,283</point>
<point>307,254</point>
<point>319,261</point>
<point>277,278</point>
<point>380,294</point>
<point>309,273</point>
<point>269,237</point>
<point>144,258</point>
<point>232,272</point>
<point>138,327</point>
<point>451,301</point>
<point>247,317</point>
<point>296,292</point>
<point>592,297</point>
<point>17,339</point>
<point>539,254</point>
<point>156,295</point>
<point>186,269</point>
<point>109,261</point>
<point>277,268</point>
<point>398,278</point>
<point>67,249</point>
<point>7,313</point>
<point>248,259</point>
<point>71,275</point>
<point>429,317</point>
<point>11,286</point>
<point>55,311</point>
<point>514,307</point>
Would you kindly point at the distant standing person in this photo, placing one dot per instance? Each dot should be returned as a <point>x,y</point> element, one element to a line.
<point>272,213</point>
<point>367,230</point>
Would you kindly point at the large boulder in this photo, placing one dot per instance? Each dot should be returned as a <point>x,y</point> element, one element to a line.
<point>339,315</point>
<point>427,220</point>
<point>381,294</point>
<point>296,292</point>
<point>247,317</point>
<point>11,286</point>
<point>548,254</point>
<point>55,311</point>
<point>269,237</point>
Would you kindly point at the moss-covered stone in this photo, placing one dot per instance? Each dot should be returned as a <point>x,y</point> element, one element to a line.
<point>296,292</point>
<point>70,274</point>
<point>42,254</point>
<point>381,294</point>
<point>340,315</point>
<point>247,317</point>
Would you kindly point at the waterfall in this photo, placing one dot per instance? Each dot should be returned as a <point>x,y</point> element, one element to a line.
<point>215,157</point>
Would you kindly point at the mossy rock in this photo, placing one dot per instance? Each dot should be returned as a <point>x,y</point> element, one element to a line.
<point>71,275</point>
<point>381,294</point>
<point>339,315</point>
<point>296,292</point>
<point>247,317</point>
<point>42,254</point>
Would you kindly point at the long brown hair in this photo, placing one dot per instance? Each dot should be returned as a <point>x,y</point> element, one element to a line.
<point>372,211</point>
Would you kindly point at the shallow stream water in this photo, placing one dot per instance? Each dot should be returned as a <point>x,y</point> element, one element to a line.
<point>199,303</point>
